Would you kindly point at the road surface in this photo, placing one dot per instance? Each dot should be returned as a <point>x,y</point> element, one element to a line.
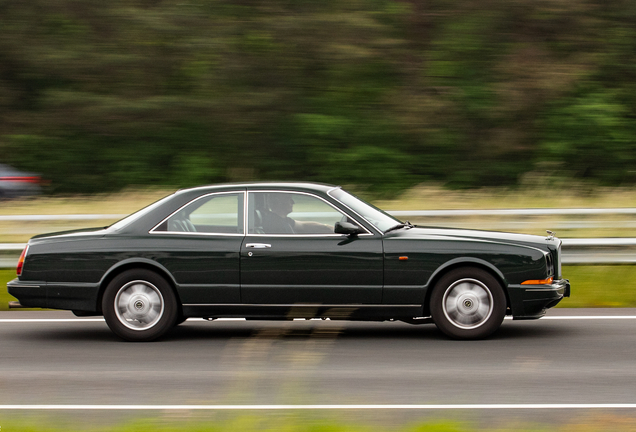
<point>583,358</point>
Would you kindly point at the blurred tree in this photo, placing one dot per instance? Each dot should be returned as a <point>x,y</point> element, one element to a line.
<point>377,93</point>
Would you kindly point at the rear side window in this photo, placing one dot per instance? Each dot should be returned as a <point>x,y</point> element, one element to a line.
<point>213,214</point>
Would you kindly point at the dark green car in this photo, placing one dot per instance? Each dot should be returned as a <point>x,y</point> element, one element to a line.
<point>284,251</point>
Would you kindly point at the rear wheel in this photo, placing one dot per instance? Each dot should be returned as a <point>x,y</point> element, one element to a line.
<point>468,303</point>
<point>139,305</point>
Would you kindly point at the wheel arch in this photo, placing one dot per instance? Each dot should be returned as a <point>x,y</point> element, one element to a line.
<point>454,264</point>
<point>136,263</point>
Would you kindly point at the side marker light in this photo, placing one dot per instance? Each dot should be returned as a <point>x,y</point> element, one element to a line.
<point>547,281</point>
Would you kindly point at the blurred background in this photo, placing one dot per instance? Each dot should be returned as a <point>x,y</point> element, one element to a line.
<point>96,96</point>
<point>445,104</point>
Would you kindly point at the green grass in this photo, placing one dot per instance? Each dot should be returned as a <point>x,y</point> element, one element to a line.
<point>5,298</point>
<point>601,286</point>
<point>592,286</point>
<point>299,422</point>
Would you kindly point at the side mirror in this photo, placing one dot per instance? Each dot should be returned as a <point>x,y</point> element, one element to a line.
<point>347,228</point>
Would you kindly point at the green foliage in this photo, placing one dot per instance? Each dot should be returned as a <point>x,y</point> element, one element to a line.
<point>596,134</point>
<point>378,93</point>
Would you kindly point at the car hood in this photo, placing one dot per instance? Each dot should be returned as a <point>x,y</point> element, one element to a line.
<point>473,235</point>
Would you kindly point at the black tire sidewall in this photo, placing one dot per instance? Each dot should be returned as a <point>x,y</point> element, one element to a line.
<point>167,320</point>
<point>490,325</point>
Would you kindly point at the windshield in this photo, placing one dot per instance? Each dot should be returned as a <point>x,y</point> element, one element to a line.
<point>133,217</point>
<point>372,214</point>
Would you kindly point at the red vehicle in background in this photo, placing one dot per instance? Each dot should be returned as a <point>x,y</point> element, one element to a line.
<point>15,183</point>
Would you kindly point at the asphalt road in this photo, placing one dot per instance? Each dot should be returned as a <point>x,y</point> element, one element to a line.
<point>549,361</point>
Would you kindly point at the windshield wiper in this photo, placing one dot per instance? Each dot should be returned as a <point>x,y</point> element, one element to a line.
<point>406,224</point>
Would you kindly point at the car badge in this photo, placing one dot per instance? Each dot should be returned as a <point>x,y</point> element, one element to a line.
<point>550,235</point>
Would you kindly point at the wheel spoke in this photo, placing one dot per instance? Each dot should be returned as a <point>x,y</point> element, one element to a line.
<point>151,315</point>
<point>136,288</point>
<point>451,308</point>
<point>483,309</point>
<point>123,298</point>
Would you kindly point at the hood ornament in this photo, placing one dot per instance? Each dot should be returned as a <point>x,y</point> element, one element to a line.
<point>550,235</point>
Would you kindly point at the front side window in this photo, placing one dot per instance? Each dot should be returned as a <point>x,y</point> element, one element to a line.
<point>291,213</point>
<point>217,214</point>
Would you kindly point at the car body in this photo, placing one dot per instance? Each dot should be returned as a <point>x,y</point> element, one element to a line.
<point>210,252</point>
<point>15,183</point>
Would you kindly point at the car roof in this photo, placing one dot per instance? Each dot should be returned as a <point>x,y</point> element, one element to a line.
<point>308,186</point>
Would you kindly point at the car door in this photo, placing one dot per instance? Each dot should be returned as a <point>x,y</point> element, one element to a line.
<point>200,246</point>
<point>292,256</point>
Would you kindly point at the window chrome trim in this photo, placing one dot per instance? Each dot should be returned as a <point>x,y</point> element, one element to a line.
<point>368,233</point>
<point>197,233</point>
<point>305,235</point>
<point>379,231</point>
<point>153,230</point>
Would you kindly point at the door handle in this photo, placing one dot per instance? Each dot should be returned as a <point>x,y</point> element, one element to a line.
<point>258,245</point>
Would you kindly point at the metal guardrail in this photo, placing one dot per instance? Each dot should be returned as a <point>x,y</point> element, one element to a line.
<point>12,246</point>
<point>518,212</point>
<point>24,218</point>
<point>575,250</point>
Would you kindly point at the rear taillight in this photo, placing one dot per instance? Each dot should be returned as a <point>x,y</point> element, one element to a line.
<point>21,261</point>
<point>21,179</point>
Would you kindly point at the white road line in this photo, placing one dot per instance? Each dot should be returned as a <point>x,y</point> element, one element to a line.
<point>584,317</point>
<point>320,407</point>
<point>80,320</point>
<point>50,320</point>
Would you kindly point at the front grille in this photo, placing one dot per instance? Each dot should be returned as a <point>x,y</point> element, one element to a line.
<point>550,263</point>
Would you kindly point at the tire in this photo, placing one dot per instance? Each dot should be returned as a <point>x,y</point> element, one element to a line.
<point>468,303</point>
<point>139,305</point>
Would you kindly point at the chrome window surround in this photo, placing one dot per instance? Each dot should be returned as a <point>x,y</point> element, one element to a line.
<point>246,217</point>
<point>368,233</point>
<point>153,230</point>
<point>352,210</point>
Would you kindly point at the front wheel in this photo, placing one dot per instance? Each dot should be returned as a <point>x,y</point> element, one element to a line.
<point>468,303</point>
<point>139,305</point>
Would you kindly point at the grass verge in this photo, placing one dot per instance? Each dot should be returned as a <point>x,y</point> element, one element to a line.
<point>308,422</point>
<point>5,297</point>
<point>601,286</point>
<point>592,286</point>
